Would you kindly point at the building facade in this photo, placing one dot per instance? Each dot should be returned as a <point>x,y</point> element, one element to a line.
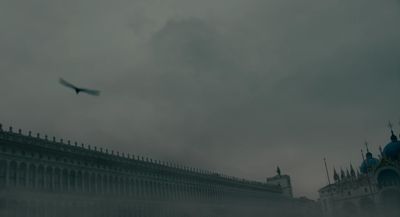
<point>284,182</point>
<point>371,191</point>
<point>45,177</point>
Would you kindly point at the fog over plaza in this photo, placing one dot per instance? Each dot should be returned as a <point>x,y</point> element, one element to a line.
<point>233,86</point>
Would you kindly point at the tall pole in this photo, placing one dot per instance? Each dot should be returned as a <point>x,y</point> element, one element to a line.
<point>327,173</point>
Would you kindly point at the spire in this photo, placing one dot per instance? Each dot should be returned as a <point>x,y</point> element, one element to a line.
<point>347,173</point>
<point>335,175</point>
<point>342,175</point>
<point>352,172</point>
<point>278,171</point>
<point>368,155</point>
<point>366,145</point>
<point>393,137</point>
<point>381,151</point>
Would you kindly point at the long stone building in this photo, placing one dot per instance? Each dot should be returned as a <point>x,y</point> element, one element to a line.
<point>42,177</point>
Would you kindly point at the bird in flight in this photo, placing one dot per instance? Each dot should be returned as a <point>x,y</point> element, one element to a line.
<point>78,89</point>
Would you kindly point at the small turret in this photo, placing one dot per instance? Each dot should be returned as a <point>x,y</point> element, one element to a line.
<point>393,137</point>
<point>352,172</point>
<point>336,177</point>
<point>342,175</point>
<point>381,152</point>
<point>283,181</point>
<point>369,162</point>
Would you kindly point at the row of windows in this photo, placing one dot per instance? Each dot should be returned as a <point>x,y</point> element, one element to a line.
<point>55,179</point>
<point>51,158</point>
<point>138,171</point>
<point>149,169</point>
<point>85,163</point>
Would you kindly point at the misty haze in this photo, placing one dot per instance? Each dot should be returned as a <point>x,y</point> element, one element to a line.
<point>207,108</point>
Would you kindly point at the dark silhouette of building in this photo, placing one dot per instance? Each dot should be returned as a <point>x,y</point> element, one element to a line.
<point>42,177</point>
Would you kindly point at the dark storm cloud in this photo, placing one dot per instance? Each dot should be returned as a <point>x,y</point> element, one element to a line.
<point>234,86</point>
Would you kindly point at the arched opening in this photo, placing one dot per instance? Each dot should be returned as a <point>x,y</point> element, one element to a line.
<point>64,180</point>
<point>110,185</point>
<point>121,186</point>
<point>170,191</point>
<point>105,184</point>
<point>32,176</point>
<point>79,181</point>
<point>49,178</point>
<point>136,187</point>
<point>141,186</point>
<point>99,185</point>
<point>86,181</point>
<point>92,183</point>
<point>387,178</point>
<point>127,184</point>
<point>57,179</point>
<point>41,177</point>
<point>13,174</point>
<point>145,189</point>
<point>22,175</point>
<point>131,187</point>
<point>72,181</point>
<point>154,190</point>
<point>116,185</point>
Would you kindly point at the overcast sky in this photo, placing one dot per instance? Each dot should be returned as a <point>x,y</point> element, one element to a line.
<point>236,86</point>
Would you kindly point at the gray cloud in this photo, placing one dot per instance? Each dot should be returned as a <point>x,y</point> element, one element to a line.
<point>238,86</point>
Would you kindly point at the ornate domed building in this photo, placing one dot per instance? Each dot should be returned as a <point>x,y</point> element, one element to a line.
<point>373,191</point>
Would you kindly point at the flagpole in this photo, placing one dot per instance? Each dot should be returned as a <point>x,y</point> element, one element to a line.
<point>327,173</point>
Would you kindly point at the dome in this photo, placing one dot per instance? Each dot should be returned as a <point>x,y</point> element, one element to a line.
<point>369,162</point>
<point>392,150</point>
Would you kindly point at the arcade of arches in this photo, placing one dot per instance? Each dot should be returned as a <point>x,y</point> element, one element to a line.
<point>47,178</point>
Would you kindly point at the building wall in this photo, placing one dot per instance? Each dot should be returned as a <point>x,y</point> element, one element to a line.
<point>39,177</point>
<point>284,182</point>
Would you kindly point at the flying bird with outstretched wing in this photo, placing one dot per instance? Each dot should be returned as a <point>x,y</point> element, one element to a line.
<point>78,89</point>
